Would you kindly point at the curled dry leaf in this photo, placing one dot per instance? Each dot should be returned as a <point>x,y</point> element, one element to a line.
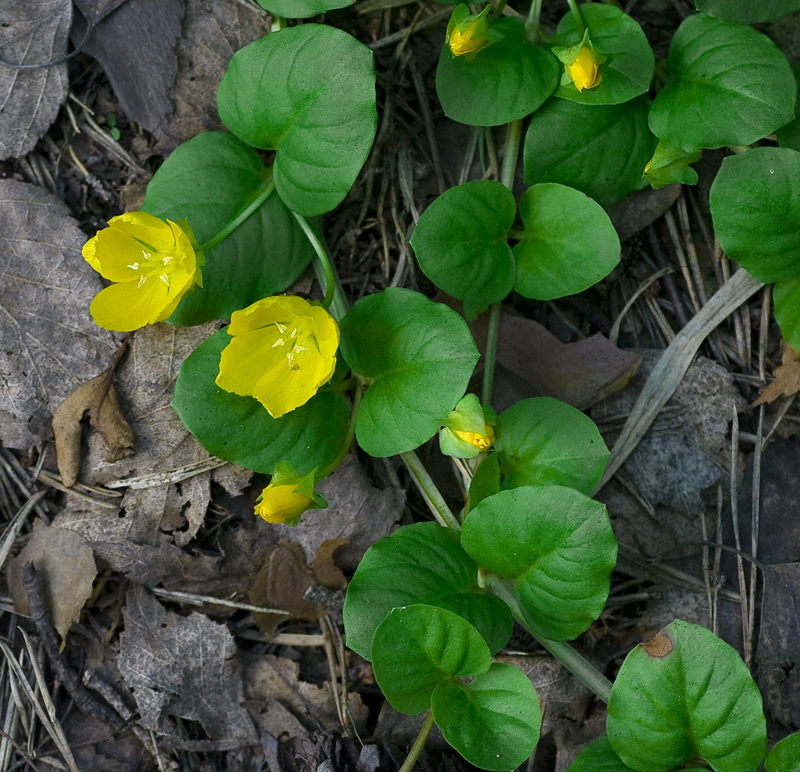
<point>66,563</point>
<point>48,342</point>
<point>31,32</point>
<point>99,397</point>
<point>787,377</point>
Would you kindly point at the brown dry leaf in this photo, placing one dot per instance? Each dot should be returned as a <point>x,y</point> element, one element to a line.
<point>31,32</point>
<point>534,363</point>
<point>66,563</point>
<point>787,377</point>
<point>326,572</point>
<point>357,512</point>
<point>100,399</point>
<point>48,341</point>
<point>282,583</point>
<point>136,46</point>
<point>269,679</point>
<point>212,32</point>
<point>184,667</point>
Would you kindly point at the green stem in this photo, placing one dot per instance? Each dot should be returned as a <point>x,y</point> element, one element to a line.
<point>427,487</point>
<point>498,9</point>
<point>562,651</point>
<point>351,432</point>
<point>511,154</point>
<point>581,27</point>
<point>532,22</point>
<point>263,192</point>
<point>325,273</point>
<point>490,356</point>
<point>416,748</point>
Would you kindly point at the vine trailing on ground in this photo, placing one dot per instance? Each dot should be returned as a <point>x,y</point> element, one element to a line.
<point>288,384</point>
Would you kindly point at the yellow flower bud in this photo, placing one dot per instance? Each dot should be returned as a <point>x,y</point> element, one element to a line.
<point>153,264</point>
<point>282,350</point>
<point>583,70</point>
<point>281,503</point>
<point>476,439</point>
<point>463,43</point>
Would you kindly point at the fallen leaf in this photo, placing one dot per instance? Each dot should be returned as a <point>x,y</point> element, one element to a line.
<point>281,584</point>
<point>32,32</point>
<point>326,572</point>
<point>66,564</point>
<point>635,212</point>
<point>98,748</point>
<point>787,377</point>
<point>211,33</point>
<point>779,644</point>
<point>99,397</point>
<point>135,42</point>
<point>183,667</point>
<point>48,341</point>
<point>357,512</point>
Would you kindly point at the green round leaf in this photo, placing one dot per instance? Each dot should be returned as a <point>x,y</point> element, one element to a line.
<point>544,441</point>
<point>569,243</point>
<point>730,86</point>
<point>685,695</point>
<point>755,211</point>
<point>598,756</point>
<point>554,545</point>
<point>493,722</point>
<point>786,297</point>
<point>599,150</point>
<point>209,180</point>
<point>629,65</point>
<point>461,242</point>
<point>417,648</point>
<point>503,83</point>
<point>419,356</point>
<point>420,563</point>
<point>785,756</point>
<point>308,92</point>
<point>301,9</point>
<point>746,11</point>
<point>240,430</point>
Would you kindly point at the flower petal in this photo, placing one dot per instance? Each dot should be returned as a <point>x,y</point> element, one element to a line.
<point>146,228</point>
<point>125,307</point>
<point>113,254</point>
<point>245,359</point>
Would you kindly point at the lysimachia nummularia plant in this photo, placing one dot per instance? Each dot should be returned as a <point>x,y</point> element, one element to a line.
<point>288,384</point>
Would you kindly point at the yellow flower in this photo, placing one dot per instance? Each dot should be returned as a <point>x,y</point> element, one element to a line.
<point>583,70</point>
<point>481,441</point>
<point>467,34</point>
<point>461,44</point>
<point>282,350</point>
<point>288,495</point>
<point>153,264</point>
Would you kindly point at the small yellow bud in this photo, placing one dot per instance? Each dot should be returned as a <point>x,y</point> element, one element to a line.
<point>281,503</point>
<point>583,70</point>
<point>476,439</point>
<point>464,43</point>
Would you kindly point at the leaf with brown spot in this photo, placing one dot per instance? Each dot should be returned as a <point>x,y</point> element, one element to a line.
<point>31,32</point>
<point>99,397</point>
<point>66,563</point>
<point>48,342</point>
<point>787,377</point>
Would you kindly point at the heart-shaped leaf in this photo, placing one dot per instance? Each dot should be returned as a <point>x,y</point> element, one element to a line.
<point>569,243</point>
<point>308,92</point>
<point>494,721</point>
<point>754,208</point>
<point>684,695</point>
<point>746,11</point>
<point>419,356</point>
<point>301,9</point>
<point>420,563</point>
<point>730,86</point>
<point>544,441</point>
<point>785,756</point>
<point>417,648</point>
<point>209,180</point>
<point>461,242</point>
<point>786,297</point>
<point>240,430</point>
<point>503,83</point>
<point>629,65</point>
<point>554,545</point>
<point>599,150</point>
<point>598,756</point>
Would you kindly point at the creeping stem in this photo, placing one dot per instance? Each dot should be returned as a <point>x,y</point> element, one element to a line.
<point>324,269</point>
<point>507,174</point>
<point>262,194</point>
<point>532,22</point>
<point>427,487</point>
<point>578,18</point>
<point>416,748</point>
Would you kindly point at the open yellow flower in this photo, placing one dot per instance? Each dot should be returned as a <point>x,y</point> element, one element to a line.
<point>282,350</point>
<point>583,70</point>
<point>153,264</point>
